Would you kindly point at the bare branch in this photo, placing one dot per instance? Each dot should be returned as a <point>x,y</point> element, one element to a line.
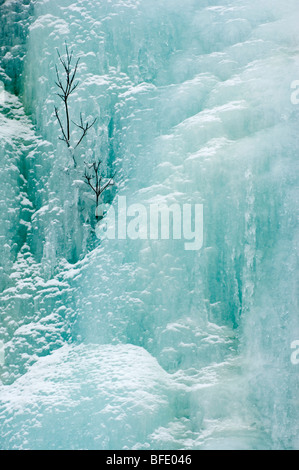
<point>62,61</point>
<point>61,96</point>
<point>65,88</point>
<point>110,183</point>
<point>74,73</point>
<point>85,128</point>
<point>94,182</point>
<point>88,178</point>
<point>74,88</point>
<point>61,127</point>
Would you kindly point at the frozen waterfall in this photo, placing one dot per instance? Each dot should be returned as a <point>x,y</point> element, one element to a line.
<point>142,344</point>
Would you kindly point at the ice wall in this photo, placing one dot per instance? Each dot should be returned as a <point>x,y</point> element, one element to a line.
<point>15,19</point>
<point>193,105</point>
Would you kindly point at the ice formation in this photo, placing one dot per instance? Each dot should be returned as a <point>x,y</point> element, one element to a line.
<point>140,344</point>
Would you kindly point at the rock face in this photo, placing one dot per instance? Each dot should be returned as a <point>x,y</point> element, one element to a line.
<point>140,343</point>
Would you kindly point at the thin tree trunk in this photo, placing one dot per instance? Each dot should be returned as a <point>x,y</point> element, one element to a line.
<point>67,121</point>
<point>97,205</point>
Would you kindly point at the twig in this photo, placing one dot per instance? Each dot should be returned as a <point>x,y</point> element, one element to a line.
<point>65,90</point>
<point>84,127</point>
<point>95,185</point>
